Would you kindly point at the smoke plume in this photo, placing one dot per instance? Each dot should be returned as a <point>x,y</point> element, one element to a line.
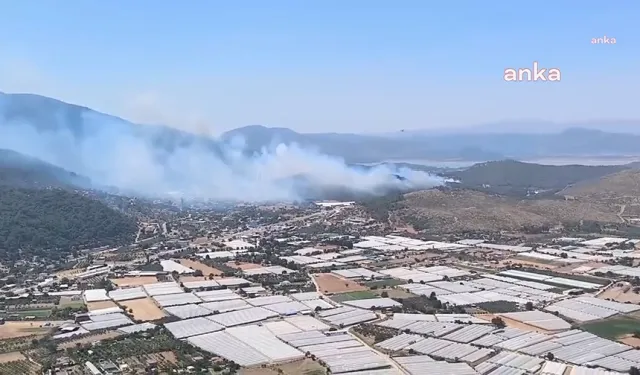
<point>150,161</point>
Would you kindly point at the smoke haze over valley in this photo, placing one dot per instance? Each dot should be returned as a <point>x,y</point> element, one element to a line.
<point>157,162</point>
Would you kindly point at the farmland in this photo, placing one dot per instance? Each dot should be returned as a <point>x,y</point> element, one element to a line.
<point>206,270</point>
<point>384,283</point>
<point>613,328</point>
<point>143,309</point>
<point>302,367</point>
<point>328,283</point>
<point>365,294</point>
<point>134,281</point>
<point>92,306</point>
<point>23,329</point>
<point>89,339</point>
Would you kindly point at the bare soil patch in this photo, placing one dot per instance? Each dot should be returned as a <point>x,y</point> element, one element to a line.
<point>92,306</point>
<point>89,339</point>
<point>622,294</point>
<point>529,262</point>
<point>629,340</point>
<point>206,270</point>
<point>70,274</point>
<point>243,265</point>
<point>512,323</point>
<point>329,283</point>
<point>22,329</point>
<point>302,367</point>
<point>135,281</point>
<point>10,357</point>
<point>394,293</point>
<point>143,309</point>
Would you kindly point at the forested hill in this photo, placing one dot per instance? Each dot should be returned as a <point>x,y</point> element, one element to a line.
<point>510,176</point>
<point>52,222</point>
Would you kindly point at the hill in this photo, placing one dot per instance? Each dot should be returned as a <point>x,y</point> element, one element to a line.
<point>625,183</point>
<point>510,177</point>
<point>28,114</point>
<point>457,210</point>
<point>19,170</point>
<point>52,222</point>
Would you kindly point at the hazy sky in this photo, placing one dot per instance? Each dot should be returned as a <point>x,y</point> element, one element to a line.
<point>324,65</point>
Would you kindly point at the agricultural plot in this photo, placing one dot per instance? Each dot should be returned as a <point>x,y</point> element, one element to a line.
<point>134,281</point>
<point>613,328</point>
<point>328,283</point>
<point>384,283</point>
<point>206,270</point>
<point>11,330</point>
<point>143,309</point>
<point>92,306</point>
<point>365,294</point>
<point>74,302</point>
<point>22,367</point>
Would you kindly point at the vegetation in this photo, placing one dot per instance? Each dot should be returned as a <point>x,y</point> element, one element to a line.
<point>613,328</point>
<point>510,177</point>
<point>37,222</point>
<point>498,307</point>
<point>23,367</point>
<point>365,294</point>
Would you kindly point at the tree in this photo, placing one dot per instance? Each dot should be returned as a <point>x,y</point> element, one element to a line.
<point>498,322</point>
<point>634,371</point>
<point>198,273</point>
<point>384,294</point>
<point>529,306</point>
<point>550,356</point>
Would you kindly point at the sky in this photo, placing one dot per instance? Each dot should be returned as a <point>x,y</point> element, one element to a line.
<point>361,66</point>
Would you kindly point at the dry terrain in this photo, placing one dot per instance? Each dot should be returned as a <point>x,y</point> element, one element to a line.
<point>630,340</point>
<point>623,293</point>
<point>68,273</point>
<point>22,329</point>
<point>301,367</point>
<point>243,265</point>
<point>10,357</point>
<point>143,309</point>
<point>206,270</point>
<point>89,339</point>
<point>92,306</point>
<point>512,323</point>
<point>616,186</point>
<point>134,281</point>
<point>329,283</point>
<point>460,210</point>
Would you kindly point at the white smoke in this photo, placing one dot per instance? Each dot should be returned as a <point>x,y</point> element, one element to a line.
<point>110,153</point>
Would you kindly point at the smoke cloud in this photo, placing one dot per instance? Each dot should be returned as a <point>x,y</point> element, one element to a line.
<point>148,160</point>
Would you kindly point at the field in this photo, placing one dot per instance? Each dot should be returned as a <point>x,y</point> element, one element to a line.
<point>243,265</point>
<point>72,302</point>
<point>134,281</point>
<point>70,274</point>
<point>622,294</point>
<point>9,357</point>
<point>40,313</point>
<point>206,270</point>
<point>20,366</point>
<point>143,309</point>
<point>365,294</point>
<point>89,339</point>
<point>23,329</point>
<point>301,367</point>
<point>384,283</point>
<point>328,283</point>
<point>92,306</point>
<point>393,293</point>
<point>613,328</point>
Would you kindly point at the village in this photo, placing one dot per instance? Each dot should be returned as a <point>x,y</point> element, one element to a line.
<point>278,298</point>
